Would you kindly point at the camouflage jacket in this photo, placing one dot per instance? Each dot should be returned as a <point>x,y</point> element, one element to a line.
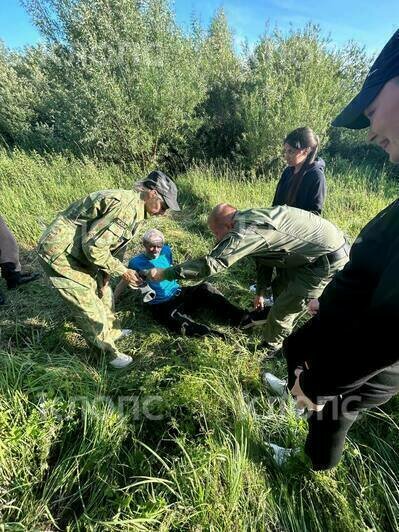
<point>94,229</point>
<point>282,237</point>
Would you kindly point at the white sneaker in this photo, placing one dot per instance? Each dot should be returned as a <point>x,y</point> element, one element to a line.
<point>121,361</point>
<point>278,386</point>
<point>280,454</point>
<point>124,334</point>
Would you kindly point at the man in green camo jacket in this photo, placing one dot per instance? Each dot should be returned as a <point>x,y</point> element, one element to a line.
<point>83,246</point>
<point>306,249</point>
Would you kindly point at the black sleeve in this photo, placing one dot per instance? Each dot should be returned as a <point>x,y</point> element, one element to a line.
<point>280,196</point>
<point>369,347</point>
<point>264,276</point>
<point>317,190</point>
<point>276,195</point>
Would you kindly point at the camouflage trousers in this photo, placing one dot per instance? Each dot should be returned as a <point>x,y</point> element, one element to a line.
<point>292,289</point>
<point>91,301</point>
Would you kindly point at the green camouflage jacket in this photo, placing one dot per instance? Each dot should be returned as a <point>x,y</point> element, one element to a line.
<point>282,237</point>
<point>94,229</point>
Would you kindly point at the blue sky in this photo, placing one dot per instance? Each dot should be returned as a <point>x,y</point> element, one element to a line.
<point>368,22</point>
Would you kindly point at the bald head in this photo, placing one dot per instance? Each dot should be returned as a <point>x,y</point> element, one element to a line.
<point>221,219</point>
<point>221,212</point>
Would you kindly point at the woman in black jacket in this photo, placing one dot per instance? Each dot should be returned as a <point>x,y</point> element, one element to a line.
<point>302,184</point>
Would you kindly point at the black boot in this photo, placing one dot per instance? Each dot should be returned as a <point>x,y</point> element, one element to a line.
<point>15,279</point>
<point>28,277</point>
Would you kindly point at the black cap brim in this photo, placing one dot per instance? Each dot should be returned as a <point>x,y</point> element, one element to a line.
<point>353,116</point>
<point>172,203</point>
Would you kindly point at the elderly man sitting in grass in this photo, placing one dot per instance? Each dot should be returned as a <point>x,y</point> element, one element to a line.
<point>173,305</point>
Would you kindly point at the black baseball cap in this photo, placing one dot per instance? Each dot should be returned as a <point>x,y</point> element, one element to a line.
<point>384,68</point>
<point>164,185</point>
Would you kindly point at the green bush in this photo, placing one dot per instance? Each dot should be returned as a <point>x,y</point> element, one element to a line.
<point>121,81</point>
<point>20,79</point>
<point>294,80</point>
<point>124,78</point>
<point>224,75</point>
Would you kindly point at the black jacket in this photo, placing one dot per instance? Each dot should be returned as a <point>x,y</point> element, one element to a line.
<point>354,336</point>
<point>311,192</point>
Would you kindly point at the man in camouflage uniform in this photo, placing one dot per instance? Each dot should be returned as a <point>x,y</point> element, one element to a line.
<point>306,250</point>
<point>80,248</point>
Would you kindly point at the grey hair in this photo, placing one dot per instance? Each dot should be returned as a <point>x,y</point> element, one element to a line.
<point>153,235</point>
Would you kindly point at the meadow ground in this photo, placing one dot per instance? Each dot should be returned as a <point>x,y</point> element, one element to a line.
<point>179,440</point>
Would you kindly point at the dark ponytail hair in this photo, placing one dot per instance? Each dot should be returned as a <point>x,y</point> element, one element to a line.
<point>301,138</point>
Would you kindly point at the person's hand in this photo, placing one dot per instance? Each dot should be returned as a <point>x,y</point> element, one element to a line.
<point>132,277</point>
<point>301,400</point>
<point>259,303</point>
<point>313,307</point>
<point>155,274</point>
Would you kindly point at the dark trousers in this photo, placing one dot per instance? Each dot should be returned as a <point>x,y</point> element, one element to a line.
<point>175,314</point>
<point>328,428</point>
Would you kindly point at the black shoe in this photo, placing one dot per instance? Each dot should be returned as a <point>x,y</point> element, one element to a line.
<point>25,278</point>
<point>15,279</point>
<point>191,328</point>
<point>2,299</point>
<point>272,352</point>
<point>254,318</point>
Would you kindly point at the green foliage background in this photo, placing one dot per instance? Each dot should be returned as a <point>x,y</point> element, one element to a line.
<point>121,81</point>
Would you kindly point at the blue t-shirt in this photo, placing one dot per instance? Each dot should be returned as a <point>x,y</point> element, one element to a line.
<point>164,290</point>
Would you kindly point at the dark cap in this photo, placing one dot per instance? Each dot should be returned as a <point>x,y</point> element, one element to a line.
<point>384,68</point>
<point>164,185</point>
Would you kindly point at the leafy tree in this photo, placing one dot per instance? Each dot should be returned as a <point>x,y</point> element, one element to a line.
<point>125,80</point>
<point>224,74</point>
<point>121,81</point>
<point>294,80</point>
<point>16,99</point>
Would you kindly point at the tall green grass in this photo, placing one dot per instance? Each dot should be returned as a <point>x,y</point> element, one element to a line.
<point>179,441</point>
